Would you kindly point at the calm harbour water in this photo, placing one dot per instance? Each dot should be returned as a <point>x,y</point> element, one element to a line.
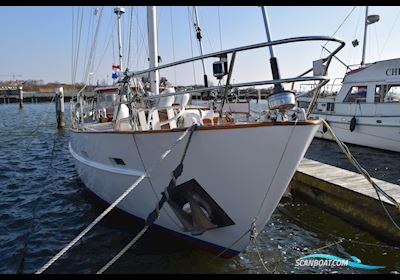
<point>44,205</point>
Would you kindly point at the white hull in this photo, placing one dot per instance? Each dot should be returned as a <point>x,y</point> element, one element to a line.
<point>237,167</point>
<point>368,132</point>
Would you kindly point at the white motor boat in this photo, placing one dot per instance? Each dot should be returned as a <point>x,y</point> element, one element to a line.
<point>366,109</point>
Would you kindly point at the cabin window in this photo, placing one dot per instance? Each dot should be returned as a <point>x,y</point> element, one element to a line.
<point>356,94</point>
<point>109,98</point>
<point>303,104</point>
<point>387,93</point>
<point>330,107</point>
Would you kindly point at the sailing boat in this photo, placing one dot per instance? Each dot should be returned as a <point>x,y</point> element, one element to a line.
<point>365,110</point>
<point>214,177</point>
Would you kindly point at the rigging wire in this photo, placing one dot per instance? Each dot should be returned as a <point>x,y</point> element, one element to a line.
<point>113,48</point>
<point>88,39</point>
<point>110,37</point>
<point>376,38</point>
<point>191,44</point>
<point>144,57</point>
<point>72,46</point>
<point>205,30</point>
<point>100,13</point>
<point>345,19</point>
<point>219,27</point>
<point>130,37</point>
<point>78,44</point>
<point>390,32</point>
<point>137,36</point>
<point>351,50</point>
<point>276,170</point>
<point>173,42</point>
<point>93,48</point>
<point>76,47</point>
<point>106,43</point>
<point>74,32</point>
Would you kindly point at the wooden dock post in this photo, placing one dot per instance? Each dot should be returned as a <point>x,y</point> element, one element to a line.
<point>21,97</point>
<point>60,107</point>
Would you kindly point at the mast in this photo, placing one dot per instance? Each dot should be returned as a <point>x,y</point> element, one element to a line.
<point>119,11</point>
<point>274,63</point>
<point>153,48</point>
<point>198,35</point>
<point>369,19</point>
<point>365,37</point>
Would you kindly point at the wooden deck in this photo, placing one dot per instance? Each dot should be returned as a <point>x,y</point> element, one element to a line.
<point>348,195</point>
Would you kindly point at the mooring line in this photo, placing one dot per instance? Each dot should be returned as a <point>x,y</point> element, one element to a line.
<point>89,227</point>
<point>124,250</point>
<point>284,212</point>
<point>364,172</point>
<point>36,203</point>
<point>105,212</point>
<point>155,214</point>
<point>32,134</point>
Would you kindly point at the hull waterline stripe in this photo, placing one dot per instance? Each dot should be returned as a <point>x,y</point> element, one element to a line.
<point>104,167</point>
<point>203,128</point>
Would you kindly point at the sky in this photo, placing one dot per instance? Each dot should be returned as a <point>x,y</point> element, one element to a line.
<point>42,42</point>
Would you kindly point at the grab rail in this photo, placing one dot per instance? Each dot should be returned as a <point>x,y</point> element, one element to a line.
<point>244,48</point>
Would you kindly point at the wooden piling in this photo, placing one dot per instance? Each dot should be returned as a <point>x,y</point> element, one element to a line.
<point>21,97</point>
<point>60,107</point>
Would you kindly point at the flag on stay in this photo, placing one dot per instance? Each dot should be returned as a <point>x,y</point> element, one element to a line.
<point>115,67</point>
<point>114,75</point>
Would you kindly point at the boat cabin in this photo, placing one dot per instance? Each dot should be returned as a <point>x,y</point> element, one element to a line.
<point>105,101</point>
<point>371,90</point>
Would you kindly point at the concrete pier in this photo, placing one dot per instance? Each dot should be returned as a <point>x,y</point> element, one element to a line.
<point>350,196</point>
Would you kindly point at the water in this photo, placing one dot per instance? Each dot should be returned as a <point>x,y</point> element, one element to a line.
<point>44,205</point>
